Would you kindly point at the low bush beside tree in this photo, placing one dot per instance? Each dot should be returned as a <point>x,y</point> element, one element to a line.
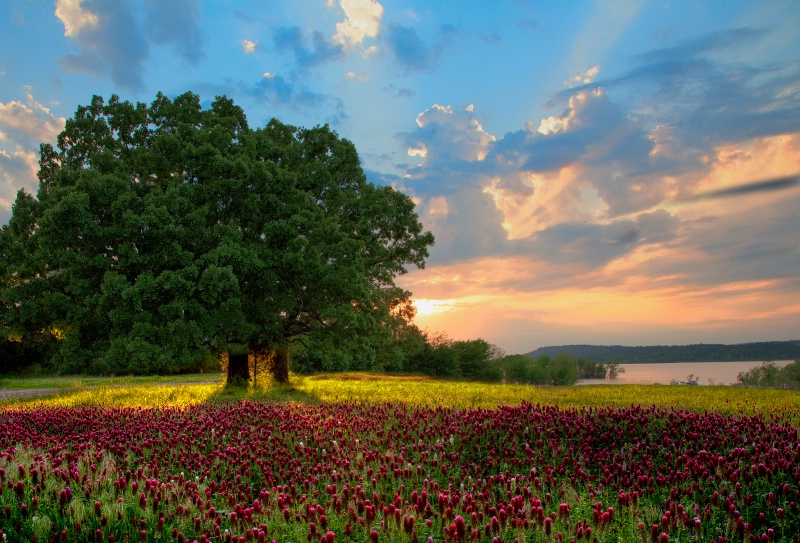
<point>769,374</point>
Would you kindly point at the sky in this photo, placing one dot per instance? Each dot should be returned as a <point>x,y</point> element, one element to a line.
<point>594,171</point>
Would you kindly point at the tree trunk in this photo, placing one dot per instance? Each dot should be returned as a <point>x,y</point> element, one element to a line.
<point>238,367</point>
<point>280,364</point>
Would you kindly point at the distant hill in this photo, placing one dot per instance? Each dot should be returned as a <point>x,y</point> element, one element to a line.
<point>765,350</point>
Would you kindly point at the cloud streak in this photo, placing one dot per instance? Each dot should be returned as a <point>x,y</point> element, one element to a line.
<point>769,185</point>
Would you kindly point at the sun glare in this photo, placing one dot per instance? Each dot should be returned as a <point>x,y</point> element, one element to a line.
<point>428,307</point>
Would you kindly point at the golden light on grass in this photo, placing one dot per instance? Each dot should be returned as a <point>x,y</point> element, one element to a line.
<point>148,396</point>
<point>433,392</point>
<point>429,391</point>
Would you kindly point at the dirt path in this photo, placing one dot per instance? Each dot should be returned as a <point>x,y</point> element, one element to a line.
<point>16,393</point>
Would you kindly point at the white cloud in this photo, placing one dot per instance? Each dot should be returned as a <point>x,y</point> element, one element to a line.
<point>622,165</point>
<point>555,124</point>
<point>74,17</point>
<point>269,75</point>
<point>28,124</point>
<point>115,38</point>
<point>17,170</point>
<point>452,143</point>
<point>583,79</point>
<point>249,46</point>
<point>459,133</point>
<point>418,151</point>
<point>370,51</point>
<point>362,20</point>
<point>114,41</point>
<point>532,202</point>
<point>23,126</point>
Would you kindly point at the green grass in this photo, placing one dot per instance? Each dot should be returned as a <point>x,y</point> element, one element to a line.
<point>77,381</point>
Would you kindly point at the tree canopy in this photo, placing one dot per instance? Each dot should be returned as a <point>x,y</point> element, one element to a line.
<point>164,233</point>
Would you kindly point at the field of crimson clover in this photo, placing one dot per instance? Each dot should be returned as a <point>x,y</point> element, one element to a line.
<point>252,471</point>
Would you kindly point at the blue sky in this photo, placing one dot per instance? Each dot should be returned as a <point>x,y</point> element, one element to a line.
<point>590,169</point>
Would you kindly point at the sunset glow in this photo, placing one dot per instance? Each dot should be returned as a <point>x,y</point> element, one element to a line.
<point>593,172</point>
<point>429,307</point>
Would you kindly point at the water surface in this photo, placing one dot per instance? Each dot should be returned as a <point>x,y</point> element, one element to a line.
<point>705,373</point>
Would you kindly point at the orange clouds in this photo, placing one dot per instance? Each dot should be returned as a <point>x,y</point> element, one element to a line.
<point>521,321</point>
<point>726,273</point>
<point>547,199</point>
<point>745,162</point>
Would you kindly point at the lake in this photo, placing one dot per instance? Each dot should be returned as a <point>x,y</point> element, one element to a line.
<point>705,373</point>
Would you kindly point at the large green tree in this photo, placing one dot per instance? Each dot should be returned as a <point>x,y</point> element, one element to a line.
<point>166,232</point>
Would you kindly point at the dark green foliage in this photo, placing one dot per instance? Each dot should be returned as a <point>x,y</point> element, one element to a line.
<point>518,369</point>
<point>473,357</point>
<point>438,359</point>
<point>765,350</point>
<point>384,342</point>
<point>16,356</point>
<point>589,369</point>
<point>790,375</point>
<point>313,355</point>
<point>162,234</point>
<point>768,374</point>
<point>564,370</point>
<point>561,369</point>
<point>442,357</point>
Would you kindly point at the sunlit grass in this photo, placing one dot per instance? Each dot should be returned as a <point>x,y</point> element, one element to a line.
<point>125,396</point>
<point>427,391</point>
<point>433,392</point>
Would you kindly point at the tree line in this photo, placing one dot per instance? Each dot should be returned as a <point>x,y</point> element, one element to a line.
<point>769,374</point>
<point>437,355</point>
<point>764,350</point>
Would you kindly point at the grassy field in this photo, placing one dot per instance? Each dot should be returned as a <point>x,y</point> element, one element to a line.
<point>364,458</point>
<point>435,392</point>
<point>77,381</point>
<point>412,390</point>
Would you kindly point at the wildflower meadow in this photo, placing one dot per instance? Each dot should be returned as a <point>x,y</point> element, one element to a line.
<point>191,464</point>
